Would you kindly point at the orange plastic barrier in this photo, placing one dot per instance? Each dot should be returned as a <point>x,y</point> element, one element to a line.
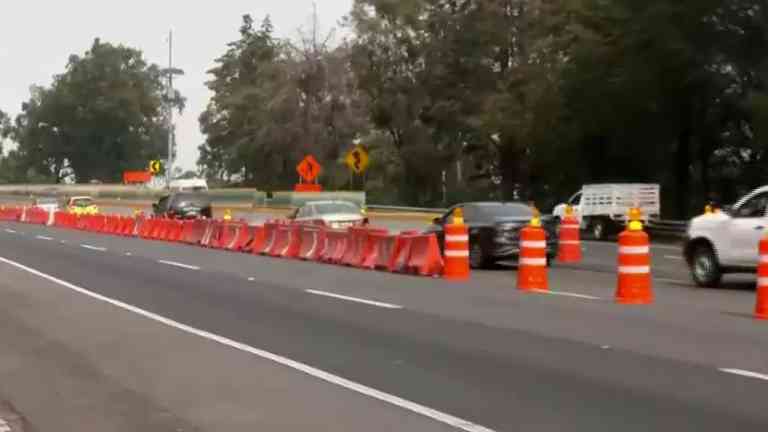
<point>456,252</point>
<point>194,231</point>
<point>36,216</point>
<point>381,252</point>
<point>634,280</point>
<point>270,239</point>
<point>243,234</point>
<point>425,258</point>
<point>358,245</point>
<point>761,305</point>
<point>532,265</point>
<point>402,252</point>
<point>312,239</point>
<point>335,246</point>
<point>258,238</point>
<point>287,241</point>
<point>569,247</point>
<point>10,214</point>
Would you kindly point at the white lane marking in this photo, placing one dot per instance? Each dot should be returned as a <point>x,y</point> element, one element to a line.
<point>355,299</point>
<point>181,265</point>
<point>128,254</point>
<point>95,248</point>
<point>63,242</point>
<point>439,416</point>
<point>745,373</point>
<point>251,279</point>
<point>10,231</point>
<point>567,294</point>
<point>674,257</point>
<point>44,238</point>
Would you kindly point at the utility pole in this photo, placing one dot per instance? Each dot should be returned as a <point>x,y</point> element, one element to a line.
<point>170,72</point>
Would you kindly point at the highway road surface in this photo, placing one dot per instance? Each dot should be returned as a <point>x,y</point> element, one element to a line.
<point>100,333</point>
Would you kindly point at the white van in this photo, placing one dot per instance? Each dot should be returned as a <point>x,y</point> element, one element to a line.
<point>189,185</point>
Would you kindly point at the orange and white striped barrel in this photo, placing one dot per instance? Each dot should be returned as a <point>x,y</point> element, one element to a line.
<point>761,305</point>
<point>532,265</point>
<point>569,247</point>
<point>456,252</point>
<point>634,281</point>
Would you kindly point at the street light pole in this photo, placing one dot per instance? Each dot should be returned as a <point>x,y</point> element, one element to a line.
<point>170,72</point>
<point>169,164</point>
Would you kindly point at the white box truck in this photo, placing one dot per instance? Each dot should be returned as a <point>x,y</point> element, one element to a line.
<point>602,208</point>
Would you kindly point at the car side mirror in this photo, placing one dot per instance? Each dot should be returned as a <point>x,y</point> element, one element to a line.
<point>437,221</point>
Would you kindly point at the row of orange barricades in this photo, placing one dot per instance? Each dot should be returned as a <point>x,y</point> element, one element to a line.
<point>360,247</point>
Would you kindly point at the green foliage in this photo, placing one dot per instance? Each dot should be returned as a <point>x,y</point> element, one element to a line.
<point>102,115</point>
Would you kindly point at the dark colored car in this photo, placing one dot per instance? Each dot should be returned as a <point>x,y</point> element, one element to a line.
<point>494,231</point>
<point>184,205</point>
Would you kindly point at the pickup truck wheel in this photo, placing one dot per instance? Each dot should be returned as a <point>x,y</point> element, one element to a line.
<point>598,229</point>
<point>477,259</point>
<point>705,269</point>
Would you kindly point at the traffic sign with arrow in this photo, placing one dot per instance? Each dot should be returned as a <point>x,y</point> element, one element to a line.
<point>357,159</point>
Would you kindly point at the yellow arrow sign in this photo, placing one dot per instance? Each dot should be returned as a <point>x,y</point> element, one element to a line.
<point>357,159</point>
<point>155,167</point>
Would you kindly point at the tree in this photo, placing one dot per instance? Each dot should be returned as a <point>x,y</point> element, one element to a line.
<point>102,115</point>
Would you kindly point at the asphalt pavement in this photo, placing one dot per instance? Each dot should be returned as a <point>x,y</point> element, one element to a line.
<point>158,336</point>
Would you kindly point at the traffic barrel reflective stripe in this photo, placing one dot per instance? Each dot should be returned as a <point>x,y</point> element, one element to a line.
<point>761,303</point>
<point>532,265</point>
<point>456,252</point>
<point>634,268</point>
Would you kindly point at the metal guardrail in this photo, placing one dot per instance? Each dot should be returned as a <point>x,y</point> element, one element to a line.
<point>405,209</point>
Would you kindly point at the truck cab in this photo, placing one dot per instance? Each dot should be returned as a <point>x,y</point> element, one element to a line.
<point>727,241</point>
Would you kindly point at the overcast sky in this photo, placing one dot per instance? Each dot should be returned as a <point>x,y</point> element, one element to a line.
<point>39,35</point>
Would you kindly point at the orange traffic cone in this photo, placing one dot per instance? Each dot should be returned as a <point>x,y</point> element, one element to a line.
<point>569,249</point>
<point>634,281</point>
<point>456,248</point>
<point>532,266</point>
<point>761,306</point>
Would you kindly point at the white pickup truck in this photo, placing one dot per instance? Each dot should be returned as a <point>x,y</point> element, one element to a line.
<point>727,241</point>
<point>603,208</point>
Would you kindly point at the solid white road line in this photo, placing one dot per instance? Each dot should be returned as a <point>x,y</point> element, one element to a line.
<point>355,299</point>
<point>10,231</point>
<point>43,238</point>
<point>439,416</point>
<point>567,294</point>
<point>181,265</point>
<point>95,248</point>
<point>128,254</point>
<point>745,373</point>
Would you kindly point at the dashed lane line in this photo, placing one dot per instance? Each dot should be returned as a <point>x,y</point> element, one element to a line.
<point>439,416</point>
<point>567,294</point>
<point>178,264</point>
<point>355,299</point>
<point>94,248</point>
<point>745,373</point>
<point>10,231</point>
<point>44,238</point>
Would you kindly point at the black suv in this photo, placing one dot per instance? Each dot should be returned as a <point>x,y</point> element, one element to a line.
<point>184,205</point>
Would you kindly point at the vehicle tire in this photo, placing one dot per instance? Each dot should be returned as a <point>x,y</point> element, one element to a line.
<point>705,269</point>
<point>599,229</point>
<point>477,259</point>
